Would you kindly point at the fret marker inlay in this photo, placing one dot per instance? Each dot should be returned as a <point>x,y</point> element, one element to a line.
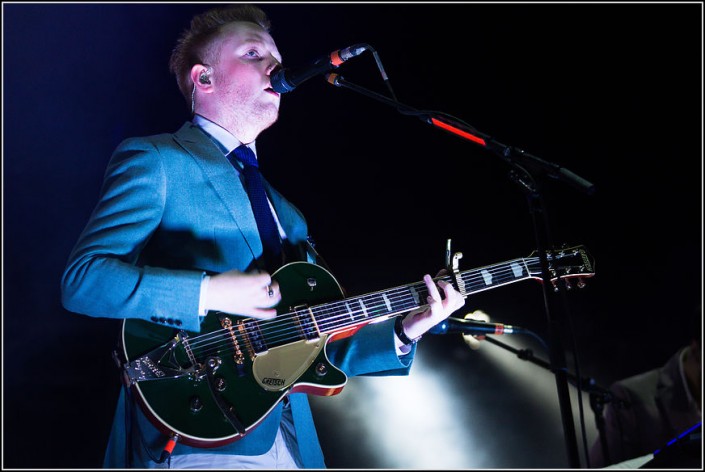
<point>364,308</point>
<point>487,276</point>
<point>517,269</point>
<point>415,295</point>
<point>387,302</point>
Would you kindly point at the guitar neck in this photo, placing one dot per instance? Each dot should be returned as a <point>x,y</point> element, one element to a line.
<point>309,322</point>
<point>332,317</point>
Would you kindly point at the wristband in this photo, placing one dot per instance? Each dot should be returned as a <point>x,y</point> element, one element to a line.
<point>399,331</point>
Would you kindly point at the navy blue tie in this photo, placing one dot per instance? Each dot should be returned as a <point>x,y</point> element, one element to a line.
<point>268,231</point>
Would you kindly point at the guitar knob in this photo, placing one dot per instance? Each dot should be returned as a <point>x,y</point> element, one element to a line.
<point>311,282</point>
<point>220,384</point>
<point>321,369</point>
<point>196,404</point>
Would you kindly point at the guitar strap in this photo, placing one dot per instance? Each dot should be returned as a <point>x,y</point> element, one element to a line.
<point>317,258</point>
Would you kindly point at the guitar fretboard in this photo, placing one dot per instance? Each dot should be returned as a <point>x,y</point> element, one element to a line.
<point>308,323</point>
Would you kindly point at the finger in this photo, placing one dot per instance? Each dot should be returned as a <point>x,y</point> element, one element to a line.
<point>453,297</point>
<point>267,297</point>
<point>432,288</point>
<point>263,313</point>
<point>269,290</point>
<point>447,287</point>
<point>272,290</point>
<point>262,278</point>
<point>473,342</point>
<point>272,301</point>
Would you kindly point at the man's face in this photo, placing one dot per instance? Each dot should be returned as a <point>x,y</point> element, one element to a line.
<point>246,56</point>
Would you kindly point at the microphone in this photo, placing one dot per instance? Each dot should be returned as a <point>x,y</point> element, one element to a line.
<point>286,80</point>
<point>457,325</point>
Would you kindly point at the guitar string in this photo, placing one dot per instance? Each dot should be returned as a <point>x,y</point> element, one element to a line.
<point>376,304</point>
<point>373,306</point>
<point>284,323</point>
<point>259,333</point>
<point>268,331</point>
<point>336,307</point>
<point>271,330</point>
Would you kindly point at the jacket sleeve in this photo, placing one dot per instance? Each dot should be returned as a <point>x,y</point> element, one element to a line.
<point>102,277</point>
<point>370,351</point>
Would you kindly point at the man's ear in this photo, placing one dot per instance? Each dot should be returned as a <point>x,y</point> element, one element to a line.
<point>201,77</point>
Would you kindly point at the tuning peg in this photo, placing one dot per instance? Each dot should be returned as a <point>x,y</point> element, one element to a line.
<point>568,285</point>
<point>581,283</point>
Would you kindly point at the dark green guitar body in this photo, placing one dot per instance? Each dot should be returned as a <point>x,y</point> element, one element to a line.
<point>223,395</point>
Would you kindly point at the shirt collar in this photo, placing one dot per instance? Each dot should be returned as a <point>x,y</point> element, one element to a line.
<point>223,137</point>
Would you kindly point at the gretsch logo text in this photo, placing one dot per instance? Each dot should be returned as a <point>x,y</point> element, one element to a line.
<point>273,382</point>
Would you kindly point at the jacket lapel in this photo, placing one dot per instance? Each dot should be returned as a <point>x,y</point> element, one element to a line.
<point>291,220</point>
<point>224,178</point>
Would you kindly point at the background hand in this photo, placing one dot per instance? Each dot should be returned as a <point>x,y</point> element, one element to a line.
<point>474,340</point>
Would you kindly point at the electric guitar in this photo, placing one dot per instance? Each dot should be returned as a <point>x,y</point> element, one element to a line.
<point>212,388</point>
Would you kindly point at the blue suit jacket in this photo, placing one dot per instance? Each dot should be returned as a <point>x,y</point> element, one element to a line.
<point>171,209</point>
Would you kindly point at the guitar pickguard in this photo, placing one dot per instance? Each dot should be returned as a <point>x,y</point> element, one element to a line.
<point>280,367</point>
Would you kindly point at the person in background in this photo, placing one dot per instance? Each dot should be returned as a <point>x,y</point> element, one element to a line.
<point>177,234</point>
<point>651,409</point>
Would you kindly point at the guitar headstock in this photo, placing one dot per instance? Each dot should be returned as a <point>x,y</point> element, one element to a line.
<point>568,263</point>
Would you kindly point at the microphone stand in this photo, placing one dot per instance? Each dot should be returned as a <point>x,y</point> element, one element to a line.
<point>599,396</point>
<point>520,162</point>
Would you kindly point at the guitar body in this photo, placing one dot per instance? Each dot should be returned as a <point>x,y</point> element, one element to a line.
<point>233,386</point>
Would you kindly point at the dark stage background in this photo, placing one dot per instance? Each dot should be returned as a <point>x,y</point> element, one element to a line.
<point>612,92</point>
